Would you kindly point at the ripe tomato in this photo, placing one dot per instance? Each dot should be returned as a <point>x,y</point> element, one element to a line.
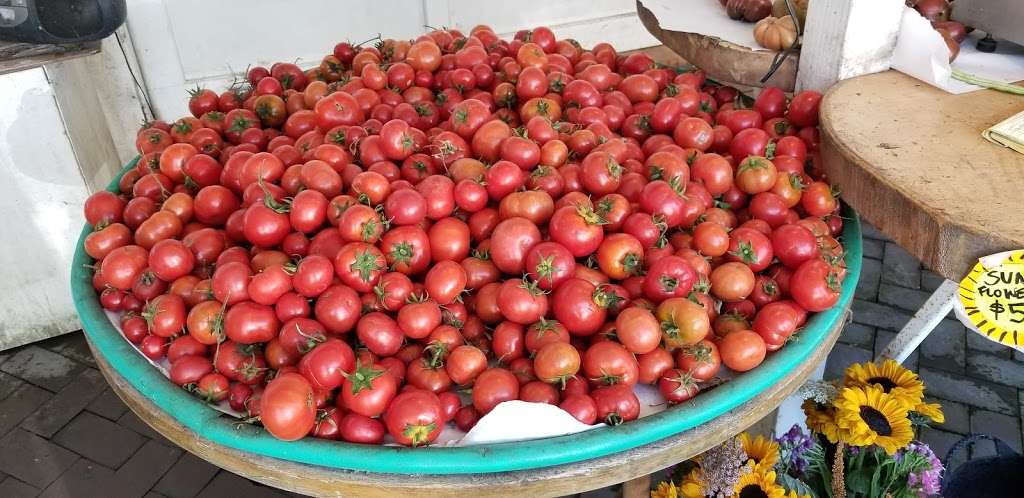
<point>577,228</point>
<point>668,277</point>
<point>742,350</point>
<point>580,306</point>
<point>327,364</point>
<point>677,386</point>
<point>492,387</point>
<point>367,390</point>
<point>522,301</point>
<point>732,281</point>
<point>616,404</point>
<point>638,330</point>
<point>549,264</point>
<point>556,362</point>
<point>701,360</point>
<point>683,322</point>
<point>445,282</point>
<point>608,362</point>
<point>751,247</point>
<point>511,241</point>
<point>286,407</point>
<point>581,406</point>
<point>815,285</point>
<point>620,255</point>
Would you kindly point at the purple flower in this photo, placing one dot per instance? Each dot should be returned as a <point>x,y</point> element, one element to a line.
<point>925,481</point>
<point>793,446</point>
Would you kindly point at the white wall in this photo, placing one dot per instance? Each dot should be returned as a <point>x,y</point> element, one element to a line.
<point>178,49</point>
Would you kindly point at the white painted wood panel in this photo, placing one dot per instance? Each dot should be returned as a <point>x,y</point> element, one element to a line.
<point>41,198</point>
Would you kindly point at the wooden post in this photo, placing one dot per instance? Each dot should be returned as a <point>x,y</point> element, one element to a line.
<point>847,38</point>
<point>637,488</point>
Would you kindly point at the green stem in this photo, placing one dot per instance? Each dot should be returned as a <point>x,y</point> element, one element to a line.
<point>987,83</point>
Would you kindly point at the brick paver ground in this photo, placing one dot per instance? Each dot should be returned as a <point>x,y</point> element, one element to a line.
<point>64,433</point>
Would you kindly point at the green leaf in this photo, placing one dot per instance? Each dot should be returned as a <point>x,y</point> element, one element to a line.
<point>793,484</point>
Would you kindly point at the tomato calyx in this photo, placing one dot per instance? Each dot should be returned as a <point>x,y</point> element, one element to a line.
<point>311,341</point>
<point>545,268</point>
<point>268,198</point>
<point>401,253</point>
<point>449,318</point>
<point>531,287</point>
<point>418,434</point>
<point>632,264</point>
<point>832,280</point>
<point>543,326</point>
<point>701,286</point>
<point>362,377</point>
<point>745,252</point>
<point>590,216</point>
<point>435,353</point>
<point>752,163</point>
<point>484,255</point>
<point>685,382</point>
<point>605,299</point>
<point>417,298</point>
<point>613,419</point>
<point>769,150</point>
<point>337,137</point>
<point>656,172</point>
<point>796,182</point>
<point>365,264</point>
<point>678,186</point>
<point>614,168</point>
<point>670,329</point>
<point>770,288</point>
<point>668,284</point>
<point>671,90</point>
<point>700,352</point>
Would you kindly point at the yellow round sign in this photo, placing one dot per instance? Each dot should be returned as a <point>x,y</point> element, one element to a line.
<point>992,295</point>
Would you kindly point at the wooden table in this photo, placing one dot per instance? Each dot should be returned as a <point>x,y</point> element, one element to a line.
<point>21,56</point>
<point>550,481</point>
<point>722,60</point>
<point>910,159</point>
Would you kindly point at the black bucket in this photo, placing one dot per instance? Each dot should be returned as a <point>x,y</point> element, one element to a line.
<point>1000,476</point>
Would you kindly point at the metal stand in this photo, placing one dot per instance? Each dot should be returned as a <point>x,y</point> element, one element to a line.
<point>923,322</point>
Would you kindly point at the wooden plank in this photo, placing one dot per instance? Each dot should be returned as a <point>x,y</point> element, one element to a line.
<point>721,60</point>
<point>847,38</point>
<point>22,56</point>
<point>551,481</point>
<point>910,159</point>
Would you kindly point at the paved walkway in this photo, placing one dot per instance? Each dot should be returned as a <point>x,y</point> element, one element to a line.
<point>64,433</point>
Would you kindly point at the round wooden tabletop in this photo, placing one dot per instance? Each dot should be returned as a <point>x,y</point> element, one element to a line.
<point>911,160</point>
<point>550,481</point>
<point>722,60</point>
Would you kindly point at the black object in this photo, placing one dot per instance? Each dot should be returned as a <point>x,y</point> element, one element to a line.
<point>986,44</point>
<point>997,476</point>
<point>59,21</point>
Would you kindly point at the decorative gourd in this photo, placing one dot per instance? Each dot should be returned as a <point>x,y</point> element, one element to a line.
<point>779,9</point>
<point>775,33</point>
<point>748,10</point>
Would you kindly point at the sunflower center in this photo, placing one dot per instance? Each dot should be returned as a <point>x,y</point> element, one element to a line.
<point>752,491</point>
<point>886,383</point>
<point>876,421</point>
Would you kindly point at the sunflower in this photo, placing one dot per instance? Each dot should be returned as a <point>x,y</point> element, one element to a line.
<point>665,489</point>
<point>890,376</point>
<point>691,486</point>
<point>931,410</point>
<point>758,485</point>
<point>763,452</point>
<point>821,419</point>
<point>869,415</point>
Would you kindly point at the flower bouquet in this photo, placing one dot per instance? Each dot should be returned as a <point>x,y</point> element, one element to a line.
<point>861,444</point>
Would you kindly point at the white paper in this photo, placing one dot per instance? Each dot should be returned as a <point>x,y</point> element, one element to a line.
<point>921,52</point>
<point>706,17</point>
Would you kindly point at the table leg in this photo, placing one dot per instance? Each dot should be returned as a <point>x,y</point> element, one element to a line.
<point>924,321</point>
<point>639,487</point>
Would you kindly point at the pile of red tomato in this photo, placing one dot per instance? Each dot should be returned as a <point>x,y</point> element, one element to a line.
<point>340,251</point>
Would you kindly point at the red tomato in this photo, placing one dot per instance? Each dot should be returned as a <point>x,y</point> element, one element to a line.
<point>414,418</point>
<point>616,404</point>
<point>286,407</point>
<point>742,350</point>
<point>815,285</point>
<point>677,386</point>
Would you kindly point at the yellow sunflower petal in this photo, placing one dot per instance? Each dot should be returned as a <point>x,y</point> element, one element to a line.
<point>665,489</point>
<point>821,419</point>
<point>764,453</point>
<point>869,415</point>
<point>762,481</point>
<point>932,411</point>
<point>892,377</point>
